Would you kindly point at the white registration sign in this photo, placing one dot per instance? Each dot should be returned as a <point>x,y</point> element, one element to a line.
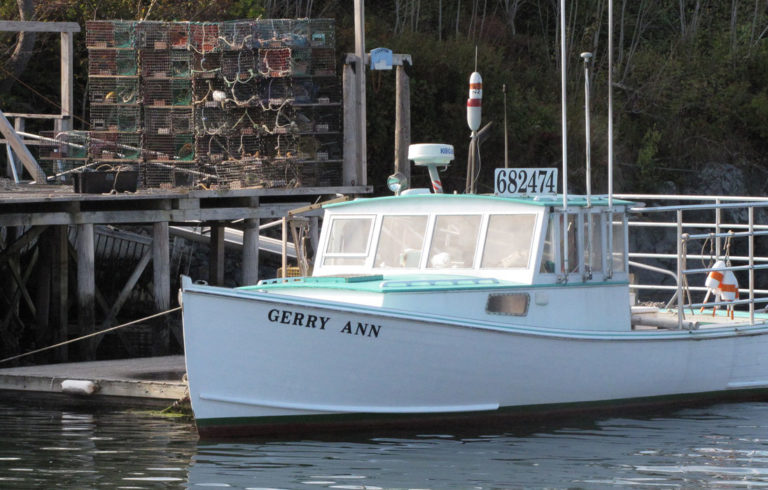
<point>525,181</point>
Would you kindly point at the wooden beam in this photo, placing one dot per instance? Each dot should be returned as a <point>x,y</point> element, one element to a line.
<point>60,290</point>
<point>127,288</point>
<point>86,286</point>
<point>67,64</point>
<point>402,123</point>
<point>28,26</point>
<point>161,266</point>
<point>21,242</point>
<point>216,260</point>
<point>142,216</point>
<point>21,150</point>
<point>15,269</point>
<point>43,283</point>
<point>250,266</point>
<point>351,162</point>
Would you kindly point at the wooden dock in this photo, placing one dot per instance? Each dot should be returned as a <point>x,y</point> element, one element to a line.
<point>151,381</point>
<point>39,292</point>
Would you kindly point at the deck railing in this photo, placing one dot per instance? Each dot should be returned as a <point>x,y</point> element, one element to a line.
<point>724,224</point>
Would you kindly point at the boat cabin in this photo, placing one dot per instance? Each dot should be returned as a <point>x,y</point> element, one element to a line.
<point>512,239</point>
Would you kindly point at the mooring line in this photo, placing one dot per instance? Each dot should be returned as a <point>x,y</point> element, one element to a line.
<point>37,351</point>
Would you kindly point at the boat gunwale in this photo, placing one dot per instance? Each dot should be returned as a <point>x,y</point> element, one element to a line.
<point>707,333</point>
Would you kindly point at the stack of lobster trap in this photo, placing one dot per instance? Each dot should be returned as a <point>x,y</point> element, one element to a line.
<point>226,105</point>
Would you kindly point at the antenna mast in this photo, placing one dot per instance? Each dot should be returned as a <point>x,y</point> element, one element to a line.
<point>564,238</point>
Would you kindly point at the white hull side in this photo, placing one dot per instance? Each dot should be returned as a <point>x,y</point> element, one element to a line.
<point>272,364</point>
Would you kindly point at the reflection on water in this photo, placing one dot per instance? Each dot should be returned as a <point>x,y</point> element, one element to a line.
<point>719,445</point>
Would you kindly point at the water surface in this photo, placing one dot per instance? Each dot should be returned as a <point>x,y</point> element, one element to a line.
<point>723,445</point>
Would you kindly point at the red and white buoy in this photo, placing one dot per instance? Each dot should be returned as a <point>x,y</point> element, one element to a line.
<point>475,101</point>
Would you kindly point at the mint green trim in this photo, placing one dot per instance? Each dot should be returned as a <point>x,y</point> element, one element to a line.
<point>408,283</point>
<point>557,201</point>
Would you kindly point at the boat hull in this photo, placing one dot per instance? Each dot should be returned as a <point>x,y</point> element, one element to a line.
<point>266,363</point>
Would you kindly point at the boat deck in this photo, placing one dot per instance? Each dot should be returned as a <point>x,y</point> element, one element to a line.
<point>653,318</point>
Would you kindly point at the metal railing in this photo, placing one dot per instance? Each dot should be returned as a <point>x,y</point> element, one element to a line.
<point>723,238</point>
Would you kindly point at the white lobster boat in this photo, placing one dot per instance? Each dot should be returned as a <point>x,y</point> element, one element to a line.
<point>436,308</point>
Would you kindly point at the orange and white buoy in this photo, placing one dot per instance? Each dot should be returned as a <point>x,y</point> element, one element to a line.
<point>475,101</point>
<point>723,284</point>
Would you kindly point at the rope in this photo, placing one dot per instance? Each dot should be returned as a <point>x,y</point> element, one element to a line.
<point>37,351</point>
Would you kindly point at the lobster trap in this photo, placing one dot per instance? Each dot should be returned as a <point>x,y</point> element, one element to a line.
<point>153,35</point>
<point>109,34</point>
<point>170,147</point>
<point>164,175</point>
<point>115,117</point>
<point>245,146</point>
<point>165,120</point>
<point>63,145</point>
<point>204,37</point>
<point>235,35</point>
<point>228,105</point>
<point>113,90</point>
<point>239,65</point>
<point>212,149</point>
<point>206,65</point>
<point>323,62</point>
<point>168,92</point>
<point>112,62</point>
<point>113,146</point>
<point>247,121</point>
<point>276,33</point>
<point>179,35</point>
<point>274,62</point>
<point>253,172</point>
<point>322,33</point>
<point>213,120</point>
<point>326,174</point>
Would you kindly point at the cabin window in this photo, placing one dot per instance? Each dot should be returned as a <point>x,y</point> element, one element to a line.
<point>400,241</point>
<point>593,244</point>
<point>508,241</point>
<point>348,241</point>
<point>573,249</point>
<point>454,241</point>
<point>618,243</point>
<point>548,255</point>
<point>515,304</point>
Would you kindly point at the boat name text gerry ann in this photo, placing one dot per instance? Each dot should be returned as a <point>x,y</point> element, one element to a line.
<point>288,317</point>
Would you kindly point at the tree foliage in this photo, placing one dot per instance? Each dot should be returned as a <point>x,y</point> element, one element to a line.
<point>690,77</point>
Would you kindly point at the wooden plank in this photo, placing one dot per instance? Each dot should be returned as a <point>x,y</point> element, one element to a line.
<point>21,150</point>
<point>30,26</point>
<point>86,286</point>
<point>26,115</point>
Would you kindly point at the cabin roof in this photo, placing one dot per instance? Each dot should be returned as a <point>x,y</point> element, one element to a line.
<point>542,201</point>
<point>396,283</point>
